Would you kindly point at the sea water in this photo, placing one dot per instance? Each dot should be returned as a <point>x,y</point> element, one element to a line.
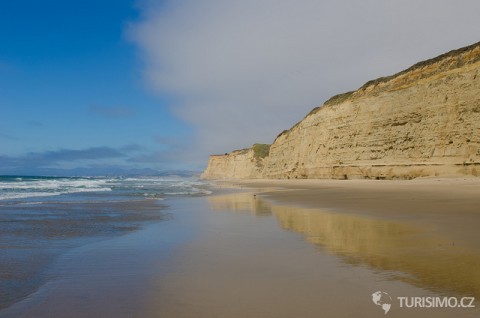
<point>22,189</point>
<point>42,218</point>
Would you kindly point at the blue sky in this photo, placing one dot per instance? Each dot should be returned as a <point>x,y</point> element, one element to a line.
<point>105,85</point>
<point>70,81</point>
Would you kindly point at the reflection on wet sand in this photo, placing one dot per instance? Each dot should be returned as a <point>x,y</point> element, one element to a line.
<point>406,251</point>
<point>240,202</point>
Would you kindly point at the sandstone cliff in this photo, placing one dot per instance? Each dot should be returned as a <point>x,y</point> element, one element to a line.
<point>423,121</point>
<point>239,164</point>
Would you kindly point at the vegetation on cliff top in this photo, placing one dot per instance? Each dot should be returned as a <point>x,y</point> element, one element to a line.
<point>454,53</point>
<point>337,99</point>
<point>260,150</point>
<point>340,98</point>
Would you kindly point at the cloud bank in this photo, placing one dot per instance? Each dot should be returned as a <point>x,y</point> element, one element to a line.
<point>53,158</point>
<point>242,71</point>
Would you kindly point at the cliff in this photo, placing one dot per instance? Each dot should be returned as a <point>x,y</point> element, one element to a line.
<point>239,164</point>
<point>423,121</point>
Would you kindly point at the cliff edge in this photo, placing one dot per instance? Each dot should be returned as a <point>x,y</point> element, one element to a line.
<point>239,164</point>
<point>423,121</point>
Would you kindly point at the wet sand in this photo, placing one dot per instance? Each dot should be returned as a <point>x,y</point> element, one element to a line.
<point>295,249</point>
<point>32,236</point>
<point>449,206</point>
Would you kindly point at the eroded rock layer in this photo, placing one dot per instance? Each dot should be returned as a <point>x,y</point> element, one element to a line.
<point>424,121</point>
<point>239,164</point>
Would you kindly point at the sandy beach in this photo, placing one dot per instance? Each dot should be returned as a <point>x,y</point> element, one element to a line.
<point>239,159</point>
<point>280,249</point>
<point>451,205</point>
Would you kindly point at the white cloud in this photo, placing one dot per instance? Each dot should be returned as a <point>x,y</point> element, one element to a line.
<point>245,70</point>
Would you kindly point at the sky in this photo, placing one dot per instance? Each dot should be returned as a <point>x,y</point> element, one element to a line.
<point>112,85</point>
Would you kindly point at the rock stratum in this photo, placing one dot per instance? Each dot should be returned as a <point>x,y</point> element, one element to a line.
<point>423,121</point>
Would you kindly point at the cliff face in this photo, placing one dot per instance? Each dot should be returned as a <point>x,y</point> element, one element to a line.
<point>423,121</point>
<point>239,164</point>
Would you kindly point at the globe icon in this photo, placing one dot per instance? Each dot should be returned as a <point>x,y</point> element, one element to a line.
<point>383,300</point>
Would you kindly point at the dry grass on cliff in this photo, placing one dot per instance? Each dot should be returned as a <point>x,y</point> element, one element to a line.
<point>461,59</point>
<point>261,150</point>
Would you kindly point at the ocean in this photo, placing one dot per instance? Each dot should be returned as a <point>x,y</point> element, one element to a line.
<point>42,218</point>
<point>23,189</point>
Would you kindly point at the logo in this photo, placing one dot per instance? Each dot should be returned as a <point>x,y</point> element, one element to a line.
<point>383,300</point>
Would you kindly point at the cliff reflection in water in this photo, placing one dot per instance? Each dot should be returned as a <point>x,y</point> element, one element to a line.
<point>240,202</point>
<point>408,252</point>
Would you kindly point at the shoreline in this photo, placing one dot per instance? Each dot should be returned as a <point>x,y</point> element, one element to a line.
<point>444,205</point>
<point>442,212</point>
<point>368,196</point>
<point>262,259</point>
<point>275,254</point>
<point>108,277</point>
<point>48,231</point>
